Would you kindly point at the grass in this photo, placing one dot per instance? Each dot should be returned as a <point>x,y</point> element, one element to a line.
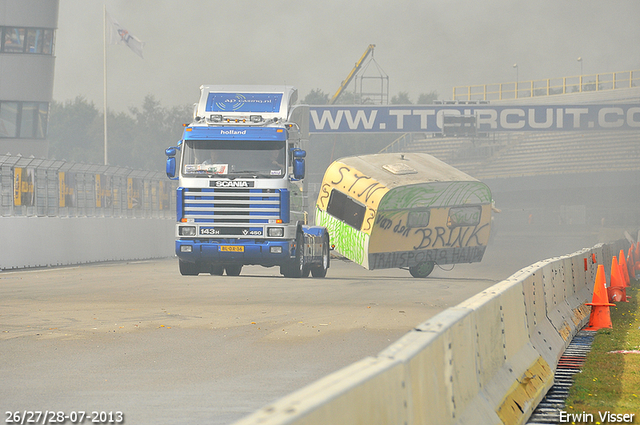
<point>611,381</point>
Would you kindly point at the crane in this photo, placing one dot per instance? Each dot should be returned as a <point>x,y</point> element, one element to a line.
<point>352,74</point>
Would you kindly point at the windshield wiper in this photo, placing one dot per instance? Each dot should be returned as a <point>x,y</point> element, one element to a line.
<point>245,172</point>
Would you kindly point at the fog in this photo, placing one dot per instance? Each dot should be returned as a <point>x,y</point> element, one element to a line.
<point>422,45</point>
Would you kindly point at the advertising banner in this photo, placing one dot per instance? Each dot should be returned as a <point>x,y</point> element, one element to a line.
<point>488,118</point>
<point>134,192</point>
<point>165,196</point>
<point>103,191</point>
<point>67,187</point>
<point>244,102</point>
<point>24,180</point>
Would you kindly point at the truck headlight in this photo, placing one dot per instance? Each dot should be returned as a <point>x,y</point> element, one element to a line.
<point>275,232</point>
<point>187,230</point>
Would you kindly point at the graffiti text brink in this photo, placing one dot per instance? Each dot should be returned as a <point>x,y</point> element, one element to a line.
<point>438,237</point>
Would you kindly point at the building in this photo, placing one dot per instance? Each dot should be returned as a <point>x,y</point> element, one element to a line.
<point>27,56</point>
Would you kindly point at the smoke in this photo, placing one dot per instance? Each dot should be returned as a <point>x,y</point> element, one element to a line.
<point>421,45</point>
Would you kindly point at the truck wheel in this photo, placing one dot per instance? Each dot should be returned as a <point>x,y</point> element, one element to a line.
<point>321,270</point>
<point>216,270</point>
<point>188,269</point>
<point>234,270</point>
<point>422,270</point>
<point>296,267</point>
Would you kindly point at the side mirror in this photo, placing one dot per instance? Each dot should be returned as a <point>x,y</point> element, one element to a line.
<point>298,164</point>
<point>171,162</point>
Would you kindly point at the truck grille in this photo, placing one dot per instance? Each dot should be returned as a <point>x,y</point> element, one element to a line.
<point>231,205</point>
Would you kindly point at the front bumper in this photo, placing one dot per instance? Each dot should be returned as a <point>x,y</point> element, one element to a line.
<point>261,252</point>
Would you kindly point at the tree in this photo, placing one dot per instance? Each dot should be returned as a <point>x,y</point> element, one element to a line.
<point>401,98</point>
<point>75,131</point>
<point>348,98</point>
<point>136,139</point>
<point>427,98</point>
<point>316,97</point>
<point>156,129</point>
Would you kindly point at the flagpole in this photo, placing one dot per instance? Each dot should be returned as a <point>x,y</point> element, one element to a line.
<point>104,97</point>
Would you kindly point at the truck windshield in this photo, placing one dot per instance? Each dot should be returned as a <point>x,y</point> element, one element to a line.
<point>233,158</point>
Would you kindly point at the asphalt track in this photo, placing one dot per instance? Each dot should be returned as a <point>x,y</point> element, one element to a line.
<point>166,349</point>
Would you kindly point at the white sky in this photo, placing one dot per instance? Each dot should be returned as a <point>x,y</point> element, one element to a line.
<point>423,45</point>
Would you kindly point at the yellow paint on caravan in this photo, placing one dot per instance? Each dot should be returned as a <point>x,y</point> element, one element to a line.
<point>404,210</point>
<point>349,181</point>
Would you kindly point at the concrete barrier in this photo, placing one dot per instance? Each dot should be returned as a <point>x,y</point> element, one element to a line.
<point>54,241</point>
<point>488,360</point>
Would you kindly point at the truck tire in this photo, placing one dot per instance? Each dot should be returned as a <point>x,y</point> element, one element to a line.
<point>188,269</point>
<point>216,270</point>
<point>321,270</point>
<point>234,269</point>
<point>296,267</point>
<point>422,270</point>
<point>305,271</point>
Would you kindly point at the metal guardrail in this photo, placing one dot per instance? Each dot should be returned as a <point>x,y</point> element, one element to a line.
<point>36,187</point>
<point>399,144</point>
<point>549,86</point>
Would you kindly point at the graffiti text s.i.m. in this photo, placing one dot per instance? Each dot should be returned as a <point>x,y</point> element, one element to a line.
<point>357,185</point>
<point>323,198</point>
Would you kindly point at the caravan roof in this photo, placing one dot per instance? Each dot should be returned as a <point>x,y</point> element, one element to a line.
<point>401,169</point>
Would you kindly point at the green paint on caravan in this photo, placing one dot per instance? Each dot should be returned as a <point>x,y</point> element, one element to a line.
<point>435,195</point>
<point>349,242</point>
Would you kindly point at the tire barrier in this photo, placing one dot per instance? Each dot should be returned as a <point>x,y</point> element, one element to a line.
<point>489,360</point>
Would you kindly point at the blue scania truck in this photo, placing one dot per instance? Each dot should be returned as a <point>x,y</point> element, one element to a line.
<point>240,197</point>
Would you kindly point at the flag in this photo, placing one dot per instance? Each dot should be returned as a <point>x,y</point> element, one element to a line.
<point>119,35</point>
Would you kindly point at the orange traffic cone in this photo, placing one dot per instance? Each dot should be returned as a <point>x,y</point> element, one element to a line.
<point>624,269</point>
<point>617,290</point>
<point>600,317</point>
<point>630,263</point>
<point>617,294</point>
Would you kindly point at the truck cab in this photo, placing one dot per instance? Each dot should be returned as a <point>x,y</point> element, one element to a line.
<point>240,199</point>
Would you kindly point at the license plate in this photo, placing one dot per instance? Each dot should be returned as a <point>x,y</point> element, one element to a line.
<point>232,248</point>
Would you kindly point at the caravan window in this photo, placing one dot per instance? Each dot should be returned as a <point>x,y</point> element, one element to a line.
<point>464,216</point>
<point>346,209</point>
<point>418,218</point>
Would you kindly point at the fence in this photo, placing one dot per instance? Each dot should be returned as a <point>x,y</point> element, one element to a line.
<point>549,86</point>
<point>32,187</point>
